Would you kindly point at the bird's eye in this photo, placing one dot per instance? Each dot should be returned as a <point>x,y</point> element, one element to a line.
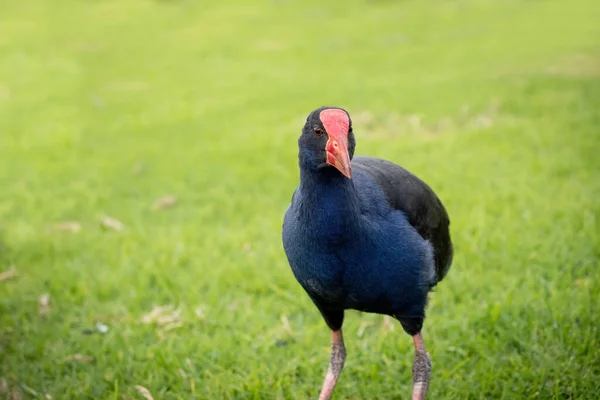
<point>318,131</point>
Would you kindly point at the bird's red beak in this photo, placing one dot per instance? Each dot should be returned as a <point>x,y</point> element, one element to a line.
<point>337,153</point>
<point>337,123</point>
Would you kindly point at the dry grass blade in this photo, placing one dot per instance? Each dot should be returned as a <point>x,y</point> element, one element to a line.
<point>144,392</point>
<point>200,312</point>
<point>111,223</point>
<point>16,394</point>
<point>82,358</point>
<point>172,325</point>
<point>3,386</point>
<point>164,202</point>
<point>11,273</point>
<point>152,315</point>
<point>388,323</point>
<point>285,325</point>
<point>68,226</point>
<point>44,304</point>
<point>363,327</point>
<point>162,315</point>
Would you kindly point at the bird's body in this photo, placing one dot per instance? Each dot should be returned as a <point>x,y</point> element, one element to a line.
<point>355,251</point>
<point>377,242</point>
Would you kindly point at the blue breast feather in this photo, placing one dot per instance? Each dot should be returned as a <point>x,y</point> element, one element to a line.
<point>349,249</point>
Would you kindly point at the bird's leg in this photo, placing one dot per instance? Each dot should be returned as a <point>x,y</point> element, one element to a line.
<point>421,369</point>
<point>336,364</point>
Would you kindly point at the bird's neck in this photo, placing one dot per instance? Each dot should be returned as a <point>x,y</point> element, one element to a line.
<point>329,203</point>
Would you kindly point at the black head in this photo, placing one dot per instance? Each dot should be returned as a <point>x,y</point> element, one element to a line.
<point>327,140</point>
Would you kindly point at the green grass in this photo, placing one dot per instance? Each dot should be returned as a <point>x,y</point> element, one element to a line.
<point>106,106</point>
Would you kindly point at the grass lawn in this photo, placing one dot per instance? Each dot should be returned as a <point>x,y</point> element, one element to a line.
<point>106,107</point>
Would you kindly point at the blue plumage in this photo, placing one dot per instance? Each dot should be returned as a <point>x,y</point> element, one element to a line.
<point>349,249</point>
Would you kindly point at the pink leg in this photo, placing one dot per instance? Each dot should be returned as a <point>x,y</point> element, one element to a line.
<point>421,369</point>
<point>336,364</point>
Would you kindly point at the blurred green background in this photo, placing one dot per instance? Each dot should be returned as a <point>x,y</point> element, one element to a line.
<point>148,152</point>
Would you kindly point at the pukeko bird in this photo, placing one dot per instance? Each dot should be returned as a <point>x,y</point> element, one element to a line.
<point>365,234</point>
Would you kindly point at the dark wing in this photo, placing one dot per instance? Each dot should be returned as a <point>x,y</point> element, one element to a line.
<point>405,192</point>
